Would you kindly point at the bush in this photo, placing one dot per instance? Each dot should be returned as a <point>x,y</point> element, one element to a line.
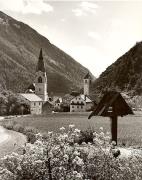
<point>18,128</point>
<point>30,132</point>
<point>30,129</point>
<point>86,136</point>
<point>57,156</point>
<point>31,137</point>
<point>9,125</point>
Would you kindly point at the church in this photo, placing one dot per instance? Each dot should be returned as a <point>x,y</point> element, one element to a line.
<point>36,95</point>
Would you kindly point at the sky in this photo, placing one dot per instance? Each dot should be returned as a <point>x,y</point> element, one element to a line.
<point>94,33</point>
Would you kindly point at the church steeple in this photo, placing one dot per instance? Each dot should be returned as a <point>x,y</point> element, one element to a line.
<point>40,65</point>
<point>41,79</point>
<point>87,82</point>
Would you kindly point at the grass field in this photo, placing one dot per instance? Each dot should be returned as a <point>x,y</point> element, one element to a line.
<point>129,127</point>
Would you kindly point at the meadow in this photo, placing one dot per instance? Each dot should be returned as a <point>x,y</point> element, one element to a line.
<point>129,127</point>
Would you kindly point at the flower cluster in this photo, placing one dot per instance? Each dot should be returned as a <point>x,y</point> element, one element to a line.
<point>60,157</point>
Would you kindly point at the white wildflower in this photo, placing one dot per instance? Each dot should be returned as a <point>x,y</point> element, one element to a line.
<point>75,172</point>
<point>66,157</point>
<point>62,129</point>
<point>50,133</point>
<point>76,131</point>
<point>108,133</point>
<point>102,134</point>
<point>76,153</point>
<point>83,143</point>
<point>78,161</point>
<point>71,126</point>
<point>78,175</point>
<point>101,128</point>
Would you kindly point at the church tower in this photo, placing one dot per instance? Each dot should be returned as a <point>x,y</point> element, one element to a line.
<point>87,82</point>
<point>41,79</point>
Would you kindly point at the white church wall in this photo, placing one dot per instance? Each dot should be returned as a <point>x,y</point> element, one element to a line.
<point>36,107</point>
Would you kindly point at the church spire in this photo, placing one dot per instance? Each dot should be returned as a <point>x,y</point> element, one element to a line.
<point>40,65</point>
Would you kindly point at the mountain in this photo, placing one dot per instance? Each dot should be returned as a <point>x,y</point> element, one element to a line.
<point>19,51</point>
<point>125,74</point>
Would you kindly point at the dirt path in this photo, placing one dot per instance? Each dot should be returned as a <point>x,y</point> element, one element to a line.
<point>10,141</point>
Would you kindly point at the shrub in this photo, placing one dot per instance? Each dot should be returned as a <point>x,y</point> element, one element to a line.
<point>86,136</point>
<point>9,125</point>
<point>30,129</point>
<point>18,128</point>
<point>30,132</point>
<point>59,157</point>
<point>31,137</point>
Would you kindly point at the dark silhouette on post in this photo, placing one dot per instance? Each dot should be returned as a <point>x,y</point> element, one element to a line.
<point>112,105</point>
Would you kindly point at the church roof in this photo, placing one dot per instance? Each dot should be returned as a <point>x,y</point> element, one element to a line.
<point>87,76</point>
<point>31,97</point>
<point>40,65</point>
<point>32,87</point>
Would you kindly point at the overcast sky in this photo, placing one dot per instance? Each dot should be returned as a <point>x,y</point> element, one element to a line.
<point>95,33</point>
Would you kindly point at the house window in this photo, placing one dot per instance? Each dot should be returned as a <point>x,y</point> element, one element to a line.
<point>85,81</point>
<point>34,103</point>
<point>39,89</point>
<point>77,106</point>
<point>72,101</point>
<point>39,103</point>
<point>72,106</point>
<point>40,80</point>
<point>81,107</point>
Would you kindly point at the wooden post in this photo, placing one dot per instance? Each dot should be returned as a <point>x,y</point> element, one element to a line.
<point>49,169</point>
<point>114,128</point>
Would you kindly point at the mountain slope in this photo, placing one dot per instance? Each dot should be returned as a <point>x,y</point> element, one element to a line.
<point>19,50</point>
<point>125,74</point>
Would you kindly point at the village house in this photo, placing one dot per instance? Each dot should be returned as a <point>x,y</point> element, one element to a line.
<point>83,102</point>
<point>66,102</point>
<point>57,104</point>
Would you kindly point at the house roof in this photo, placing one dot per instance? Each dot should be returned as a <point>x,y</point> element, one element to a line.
<point>47,103</point>
<point>31,97</point>
<point>67,98</point>
<point>113,101</point>
<point>84,98</point>
<point>57,101</point>
<point>40,65</point>
<point>87,76</point>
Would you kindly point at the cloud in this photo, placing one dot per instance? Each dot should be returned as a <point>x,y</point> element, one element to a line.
<point>79,12</point>
<point>26,6</point>
<point>63,20</point>
<point>89,7</point>
<point>85,8</point>
<point>94,35</point>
